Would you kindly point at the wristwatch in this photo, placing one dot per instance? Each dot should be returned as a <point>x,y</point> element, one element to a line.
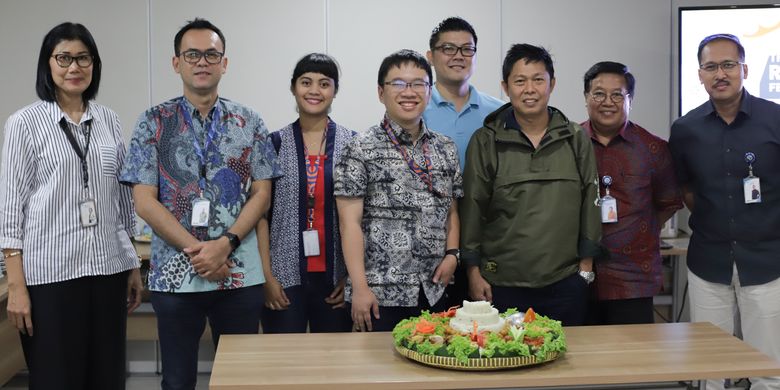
<point>455,252</point>
<point>234,240</point>
<point>589,276</point>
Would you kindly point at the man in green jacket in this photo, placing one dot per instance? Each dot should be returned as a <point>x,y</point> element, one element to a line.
<point>530,220</point>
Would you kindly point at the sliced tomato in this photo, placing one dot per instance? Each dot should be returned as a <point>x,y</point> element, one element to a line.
<point>533,341</point>
<point>425,327</point>
<point>530,316</point>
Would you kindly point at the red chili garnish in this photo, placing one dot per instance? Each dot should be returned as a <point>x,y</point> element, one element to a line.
<point>449,313</point>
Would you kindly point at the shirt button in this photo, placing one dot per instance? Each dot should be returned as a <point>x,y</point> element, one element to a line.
<point>728,150</point>
<point>730,197</point>
<point>728,173</point>
<point>733,243</point>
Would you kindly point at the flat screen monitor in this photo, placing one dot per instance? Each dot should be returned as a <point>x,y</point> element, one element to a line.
<point>757,27</point>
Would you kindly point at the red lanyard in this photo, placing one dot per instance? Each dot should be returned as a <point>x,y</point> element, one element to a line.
<point>423,174</point>
<point>312,172</point>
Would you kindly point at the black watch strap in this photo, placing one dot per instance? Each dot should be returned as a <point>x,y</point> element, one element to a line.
<point>455,252</point>
<point>234,240</point>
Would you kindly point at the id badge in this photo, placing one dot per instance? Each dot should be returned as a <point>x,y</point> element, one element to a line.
<point>608,210</point>
<point>88,212</point>
<point>752,188</point>
<point>311,243</point>
<point>200,212</point>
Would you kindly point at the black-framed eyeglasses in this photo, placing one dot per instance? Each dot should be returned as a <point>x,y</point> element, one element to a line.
<point>616,97</point>
<point>64,60</point>
<point>193,56</point>
<point>727,66</point>
<point>451,50</point>
<point>417,86</point>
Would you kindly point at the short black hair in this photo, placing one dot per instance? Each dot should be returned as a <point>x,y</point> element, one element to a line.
<point>44,84</point>
<point>529,53</point>
<point>316,63</point>
<point>613,68</point>
<point>401,57</point>
<point>196,24</point>
<point>453,23</point>
<point>721,37</point>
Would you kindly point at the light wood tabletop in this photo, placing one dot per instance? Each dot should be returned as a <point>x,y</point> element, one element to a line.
<point>597,355</point>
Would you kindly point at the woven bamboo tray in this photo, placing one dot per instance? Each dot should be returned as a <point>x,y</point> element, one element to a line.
<point>474,364</point>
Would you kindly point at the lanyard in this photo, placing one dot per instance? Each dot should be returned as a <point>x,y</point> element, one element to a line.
<point>211,134</point>
<point>312,172</point>
<point>423,174</point>
<point>82,154</point>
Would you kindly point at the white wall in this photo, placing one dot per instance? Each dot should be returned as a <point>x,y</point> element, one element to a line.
<point>120,29</point>
<point>265,39</point>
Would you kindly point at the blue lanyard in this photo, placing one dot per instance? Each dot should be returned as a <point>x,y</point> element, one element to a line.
<point>211,134</point>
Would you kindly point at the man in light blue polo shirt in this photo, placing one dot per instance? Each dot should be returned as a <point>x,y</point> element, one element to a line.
<point>456,109</point>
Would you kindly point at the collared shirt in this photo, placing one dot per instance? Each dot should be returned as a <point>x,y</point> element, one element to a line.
<point>709,156</point>
<point>644,186</point>
<point>161,154</point>
<point>41,188</point>
<point>404,222</point>
<point>441,116</point>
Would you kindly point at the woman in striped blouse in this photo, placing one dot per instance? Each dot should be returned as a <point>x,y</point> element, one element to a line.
<point>66,223</point>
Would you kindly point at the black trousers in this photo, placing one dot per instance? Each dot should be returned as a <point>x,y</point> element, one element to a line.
<point>624,311</point>
<point>308,310</point>
<point>390,316</point>
<point>565,300</point>
<point>79,334</point>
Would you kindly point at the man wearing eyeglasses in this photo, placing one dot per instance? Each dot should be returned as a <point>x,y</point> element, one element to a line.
<point>530,224</point>
<point>722,150</point>
<point>396,189</point>
<point>457,108</point>
<point>637,182</point>
<point>201,169</point>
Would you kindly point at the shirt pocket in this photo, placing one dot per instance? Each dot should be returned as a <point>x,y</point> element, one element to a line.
<point>109,165</point>
<point>637,184</point>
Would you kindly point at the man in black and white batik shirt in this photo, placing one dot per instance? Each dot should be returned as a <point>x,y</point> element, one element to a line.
<point>396,189</point>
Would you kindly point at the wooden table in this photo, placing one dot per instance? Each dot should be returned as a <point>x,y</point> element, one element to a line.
<point>598,355</point>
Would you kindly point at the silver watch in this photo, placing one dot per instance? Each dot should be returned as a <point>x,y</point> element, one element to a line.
<point>589,276</point>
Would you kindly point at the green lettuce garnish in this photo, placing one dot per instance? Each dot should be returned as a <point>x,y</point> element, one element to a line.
<point>461,347</point>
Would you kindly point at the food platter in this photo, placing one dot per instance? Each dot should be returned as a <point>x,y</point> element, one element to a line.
<point>475,364</point>
<point>479,338</point>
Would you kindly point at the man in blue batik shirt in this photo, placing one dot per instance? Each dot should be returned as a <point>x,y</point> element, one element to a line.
<point>201,169</point>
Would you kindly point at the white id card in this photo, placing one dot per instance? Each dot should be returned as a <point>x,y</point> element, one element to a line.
<point>200,212</point>
<point>752,187</point>
<point>608,210</point>
<point>311,243</point>
<point>88,212</point>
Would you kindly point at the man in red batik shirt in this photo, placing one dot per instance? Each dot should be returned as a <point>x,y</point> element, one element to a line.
<point>636,179</point>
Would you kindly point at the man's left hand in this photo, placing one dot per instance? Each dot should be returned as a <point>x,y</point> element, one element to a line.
<point>445,270</point>
<point>208,257</point>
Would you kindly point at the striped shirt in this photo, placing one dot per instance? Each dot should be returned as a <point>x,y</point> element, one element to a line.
<point>41,188</point>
